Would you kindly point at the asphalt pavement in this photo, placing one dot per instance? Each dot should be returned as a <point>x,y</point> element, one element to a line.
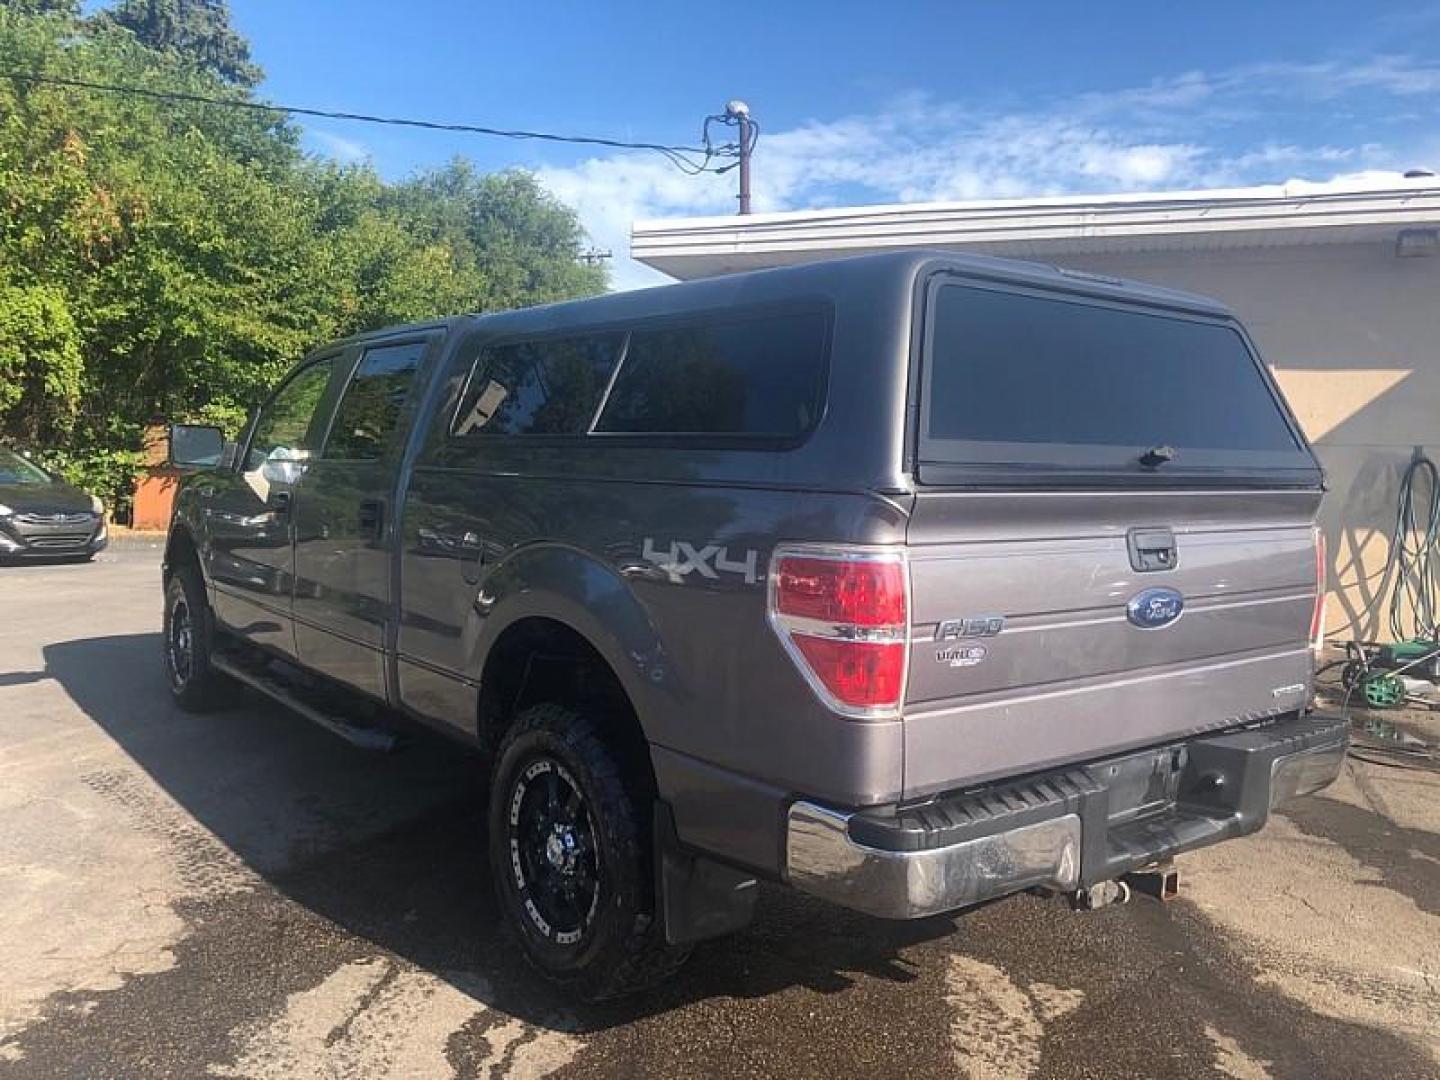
<point>244,895</point>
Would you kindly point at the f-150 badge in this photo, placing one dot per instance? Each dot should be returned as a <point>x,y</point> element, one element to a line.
<point>972,627</point>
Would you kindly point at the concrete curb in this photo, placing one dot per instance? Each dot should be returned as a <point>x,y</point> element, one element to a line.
<point>130,540</point>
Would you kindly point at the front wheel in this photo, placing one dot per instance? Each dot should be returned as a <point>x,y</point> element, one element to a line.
<point>194,684</point>
<point>571,854</point>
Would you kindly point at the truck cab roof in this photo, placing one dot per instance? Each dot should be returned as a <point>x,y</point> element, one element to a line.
<point>845,278</point>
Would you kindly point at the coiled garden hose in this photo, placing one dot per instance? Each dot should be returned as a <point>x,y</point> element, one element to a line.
<point>1413,566</point>
<point>1412,573</point>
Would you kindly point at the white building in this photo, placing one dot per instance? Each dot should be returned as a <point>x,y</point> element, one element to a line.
<point>1339,283</point>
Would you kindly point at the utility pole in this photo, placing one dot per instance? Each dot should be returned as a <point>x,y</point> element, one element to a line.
<point>738,112</point>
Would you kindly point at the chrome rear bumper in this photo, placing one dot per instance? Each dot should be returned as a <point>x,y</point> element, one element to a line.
<point>824,861</point>
<point>1062,830</point>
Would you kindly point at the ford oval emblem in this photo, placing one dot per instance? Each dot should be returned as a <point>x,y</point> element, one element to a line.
<point>1155,608</point>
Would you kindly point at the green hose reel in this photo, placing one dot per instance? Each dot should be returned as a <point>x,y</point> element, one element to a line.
<point>1383,690</point>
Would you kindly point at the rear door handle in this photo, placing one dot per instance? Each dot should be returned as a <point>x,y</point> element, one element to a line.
<point>372,516</point>
<point>280,503</point>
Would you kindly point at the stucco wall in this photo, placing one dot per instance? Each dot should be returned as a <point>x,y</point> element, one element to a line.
<point>1353,334</point>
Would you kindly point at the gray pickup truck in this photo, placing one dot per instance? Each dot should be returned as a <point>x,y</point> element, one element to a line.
<point>910,581</point>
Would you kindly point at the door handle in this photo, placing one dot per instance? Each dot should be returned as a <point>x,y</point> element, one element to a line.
<point>372,516</point>
<point>280,503</point>
<point>1152,549</point>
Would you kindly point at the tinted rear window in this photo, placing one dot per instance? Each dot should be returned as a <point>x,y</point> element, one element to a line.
<point>759,376</point>
<point>370,410</point>
<point>1024,379</point>
<point>551,386</point>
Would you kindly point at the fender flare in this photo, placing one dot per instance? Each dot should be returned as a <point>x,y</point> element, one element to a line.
<point>180,534</point>
<point>576,589</point>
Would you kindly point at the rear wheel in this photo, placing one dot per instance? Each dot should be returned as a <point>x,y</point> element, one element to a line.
<point>571,855</point>
<point>194,684</point>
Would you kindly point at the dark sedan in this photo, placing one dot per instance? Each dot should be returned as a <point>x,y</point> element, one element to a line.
<point>42,516</point>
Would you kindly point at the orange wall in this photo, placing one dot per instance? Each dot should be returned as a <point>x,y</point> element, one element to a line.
<point>154,496</point>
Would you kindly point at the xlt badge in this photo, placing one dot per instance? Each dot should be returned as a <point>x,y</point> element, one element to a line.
<point>961,655</point>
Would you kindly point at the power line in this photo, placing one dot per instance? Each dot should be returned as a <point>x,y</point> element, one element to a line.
<point>689,159</point>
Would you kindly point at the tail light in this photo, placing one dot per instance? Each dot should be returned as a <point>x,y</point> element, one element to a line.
<point>843,616</point>
<point>1317,617</point>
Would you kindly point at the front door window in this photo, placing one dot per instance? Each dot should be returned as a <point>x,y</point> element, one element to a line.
<point>280,443</point>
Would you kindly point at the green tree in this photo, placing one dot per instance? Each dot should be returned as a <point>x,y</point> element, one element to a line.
<point>170,260</point>
<point>515,242</point>
<point>41,363</point>
<point>67,8</point>
<point>197,30</point>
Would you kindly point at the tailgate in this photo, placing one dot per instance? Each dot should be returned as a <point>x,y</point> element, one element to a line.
<point>1025,654</point>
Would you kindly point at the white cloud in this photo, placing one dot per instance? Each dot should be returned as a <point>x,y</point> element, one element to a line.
<point>337,146</point>
<point>609,193</point>
<point>1401,76</point>
<point>1195,129</point>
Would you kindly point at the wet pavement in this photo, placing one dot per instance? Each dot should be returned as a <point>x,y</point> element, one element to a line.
<point>243,895</point>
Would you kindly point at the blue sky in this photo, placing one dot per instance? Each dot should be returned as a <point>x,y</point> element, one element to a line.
<point>869,102</point>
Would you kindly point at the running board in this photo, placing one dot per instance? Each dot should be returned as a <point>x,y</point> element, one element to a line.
<point>366,738</point>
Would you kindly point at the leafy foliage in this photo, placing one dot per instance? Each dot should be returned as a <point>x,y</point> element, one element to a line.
<point>70,8</point>
<point>169,261</point>
<point>199,30</point>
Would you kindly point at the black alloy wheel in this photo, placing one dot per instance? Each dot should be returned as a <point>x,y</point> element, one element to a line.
<point>571,842</point>
<point>180,643</point>
<point>195,685</point>
<point>553,854</point>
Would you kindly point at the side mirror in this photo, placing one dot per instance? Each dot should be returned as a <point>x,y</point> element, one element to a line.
<point>196,445</point>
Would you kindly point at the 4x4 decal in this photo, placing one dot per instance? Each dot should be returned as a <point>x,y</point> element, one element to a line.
<point>707,560</point>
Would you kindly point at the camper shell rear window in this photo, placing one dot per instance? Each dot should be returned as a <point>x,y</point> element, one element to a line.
<point>1020,384</point>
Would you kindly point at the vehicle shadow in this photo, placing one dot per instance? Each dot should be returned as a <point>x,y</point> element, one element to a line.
<point>391,849</point>
<point>16,562</point>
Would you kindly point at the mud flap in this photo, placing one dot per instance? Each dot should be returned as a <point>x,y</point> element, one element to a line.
<point>699,897</point>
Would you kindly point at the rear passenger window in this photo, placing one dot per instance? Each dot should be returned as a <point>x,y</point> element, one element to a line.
<point>761,376</point>
<point>547,387</point>
<point>370,409</point>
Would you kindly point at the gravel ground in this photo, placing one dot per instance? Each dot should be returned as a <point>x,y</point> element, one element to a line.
<point>242,895</point>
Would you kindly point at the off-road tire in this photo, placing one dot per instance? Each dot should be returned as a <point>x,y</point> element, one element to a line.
<point>196,687</point>
<point>622,949</point>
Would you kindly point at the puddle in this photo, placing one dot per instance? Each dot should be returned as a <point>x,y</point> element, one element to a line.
<point>1388,732</point>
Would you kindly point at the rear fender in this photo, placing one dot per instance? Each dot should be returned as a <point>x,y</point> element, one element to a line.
<point>565,584</point>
